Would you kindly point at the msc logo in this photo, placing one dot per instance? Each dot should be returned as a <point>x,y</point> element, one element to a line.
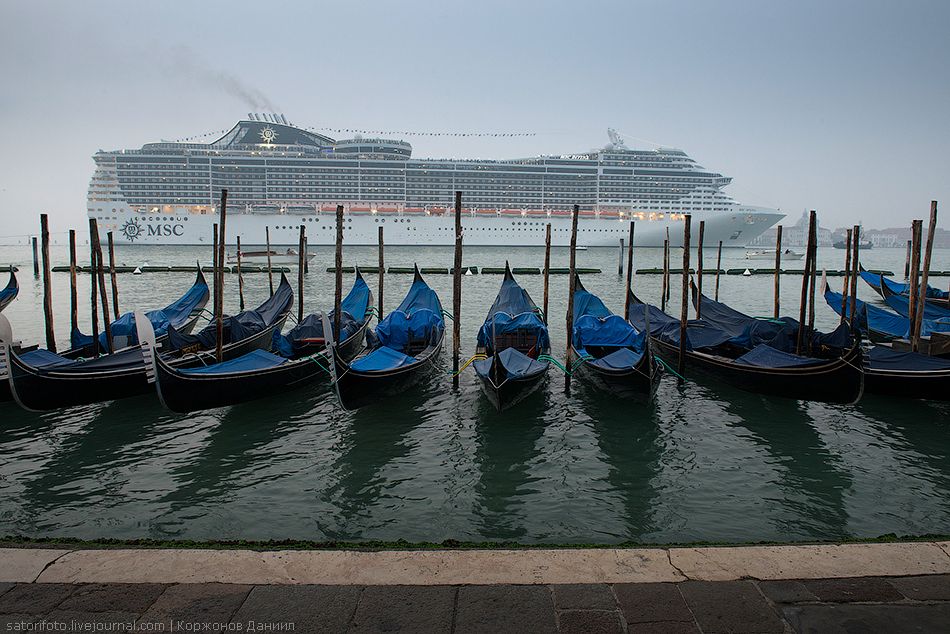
<point>132,230</point>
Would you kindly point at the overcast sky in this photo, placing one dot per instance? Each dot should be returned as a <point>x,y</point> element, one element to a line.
<point>841,106</point>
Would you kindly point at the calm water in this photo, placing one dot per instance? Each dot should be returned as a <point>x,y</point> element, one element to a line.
<point>706,462</point>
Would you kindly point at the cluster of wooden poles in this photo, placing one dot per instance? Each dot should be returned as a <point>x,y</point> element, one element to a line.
<point>99,295</point>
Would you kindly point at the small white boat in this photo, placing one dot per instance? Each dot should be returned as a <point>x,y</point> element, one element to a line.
<point>787,254</point>
<point>288,257</point>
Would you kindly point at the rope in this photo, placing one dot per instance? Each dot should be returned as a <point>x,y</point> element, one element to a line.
<point>668,368</point>
<point>477,357</point>
<point>555,363</point>
<point>314,358</point>
<point>446,313</point>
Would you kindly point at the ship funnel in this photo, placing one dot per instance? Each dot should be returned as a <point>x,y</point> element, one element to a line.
<point>283,120</point>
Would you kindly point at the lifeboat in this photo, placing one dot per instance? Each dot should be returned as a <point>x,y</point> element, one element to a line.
<point>612,213</point>
<point>437,211</point>
<point>300,210</point>
<point>486,212</point>
<point>587,213</point>
<point>328,209</point>
<point>359,210</point>
<point>537,213</point>
<point>512,213</point>
<point>561,212</point>
<point>387,209</point>
<point>413,211</point>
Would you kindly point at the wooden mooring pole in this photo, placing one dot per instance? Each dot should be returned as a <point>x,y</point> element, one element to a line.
<point>219,309</point>
<point>699,270</point>
<point>214,271</point>
<point>381,268</point>
<point>629,281</point>
<point>572,271</point>
<point>666,274</point>
<point>270,269</point>
<point>776,285</point>
<point>93,291</point>
<point>855,266</point>
<point>338,289</point>
<point>240,275</point>
<point>931,230</point>
<point>73,297</point>
<point>806,274</point>
<point>684,308</point>
<point>620,260</point>
<point>914,305</point>
<point>457,291</point>
<point>101,281</point>
<point>301,259</point>
<point>547,267</point>
<point>115,286</point>
<point>36,259</point>
<point>847,276</point>
<point>718,269</point>
<point>907,261</point>
<point>47,285</point>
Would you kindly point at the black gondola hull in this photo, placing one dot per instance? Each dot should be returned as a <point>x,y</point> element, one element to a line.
<point>837,381</point>
<point>357,389</point>
<point>512,391</point>
<point>932,386</point>
<point>40,390</point>
<point>184,393</point>
<point>636,384</point>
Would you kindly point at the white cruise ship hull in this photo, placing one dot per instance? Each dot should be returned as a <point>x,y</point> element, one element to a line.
<point>733,229</point>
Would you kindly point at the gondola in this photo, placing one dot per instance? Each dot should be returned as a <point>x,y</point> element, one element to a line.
<point>513,342</point>
<point>616,356</point>
<point>934,309</point>
<point>41,380</point>
<point>297,360</point>
<point>402,349</point>
<point>182,315</point>
<point>877,324</point>
<point>10,291</point>
<point>879,282</point>
<point>892,372</point>
<point>756,355</point>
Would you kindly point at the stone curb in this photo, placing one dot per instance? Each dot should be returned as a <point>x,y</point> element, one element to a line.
<point>473,567</point>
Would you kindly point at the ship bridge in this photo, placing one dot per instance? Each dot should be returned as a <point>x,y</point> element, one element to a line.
<point>254,133</point>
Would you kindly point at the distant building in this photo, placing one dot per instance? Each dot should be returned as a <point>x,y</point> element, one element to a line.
<point>795,235</point>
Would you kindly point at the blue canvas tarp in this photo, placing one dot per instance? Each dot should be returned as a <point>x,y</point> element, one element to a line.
<point>609,331</point>
<point>586,303</point>
<point>620,359</point>
<point>512,299</point>
<point>870,318</point>
<point>782,333</point>
<point>901,303</point>
<point>765,356</point>
<point>505,324</point>
<point>884,358</point>
<point>42,358</point>
<point>256,360</point>
<point>174,315</point>
<point>398,329</point>
<point>875,280</point>
<point>352,316</point>
<point>240,326</point>
<point>122,360</point>
<point>382,358</point>
<point>515,365</point>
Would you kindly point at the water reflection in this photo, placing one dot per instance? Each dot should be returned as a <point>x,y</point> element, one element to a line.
<point>505,445</point>
<point>814,484</point>
<point>629,438</point>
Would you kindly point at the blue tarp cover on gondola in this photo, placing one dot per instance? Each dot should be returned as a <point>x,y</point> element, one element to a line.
<point>609,331</point>
<point>240,326</point>
<point>381,359</point>
<point>256,360</point>
<point>516,365</point>
<point>586,303</point>
<point>883,358</point>
<point>875,280</point>
<point>764,356</point>
<point>506,324</point>
<point>621,359</point>
<point>901,303</point>
<point>352,316</point>
<point>748,332</point>
<point>123,328</point>
<point>398,329</point>
<point>42,358</point>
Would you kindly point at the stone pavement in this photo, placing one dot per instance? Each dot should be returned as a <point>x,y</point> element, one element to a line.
<point>864,604</point>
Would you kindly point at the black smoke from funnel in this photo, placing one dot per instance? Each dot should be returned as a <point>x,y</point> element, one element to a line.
<point>184,61</point>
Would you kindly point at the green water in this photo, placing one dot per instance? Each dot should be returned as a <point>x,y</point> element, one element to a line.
<point>705,462</point>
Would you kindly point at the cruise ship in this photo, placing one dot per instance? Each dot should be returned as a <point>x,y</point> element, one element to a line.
<point>280,176</point>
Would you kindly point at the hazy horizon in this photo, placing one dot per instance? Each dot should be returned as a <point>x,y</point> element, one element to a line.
<point>836,107</point>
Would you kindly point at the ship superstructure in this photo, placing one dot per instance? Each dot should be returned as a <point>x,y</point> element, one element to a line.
<point>281,176</point>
